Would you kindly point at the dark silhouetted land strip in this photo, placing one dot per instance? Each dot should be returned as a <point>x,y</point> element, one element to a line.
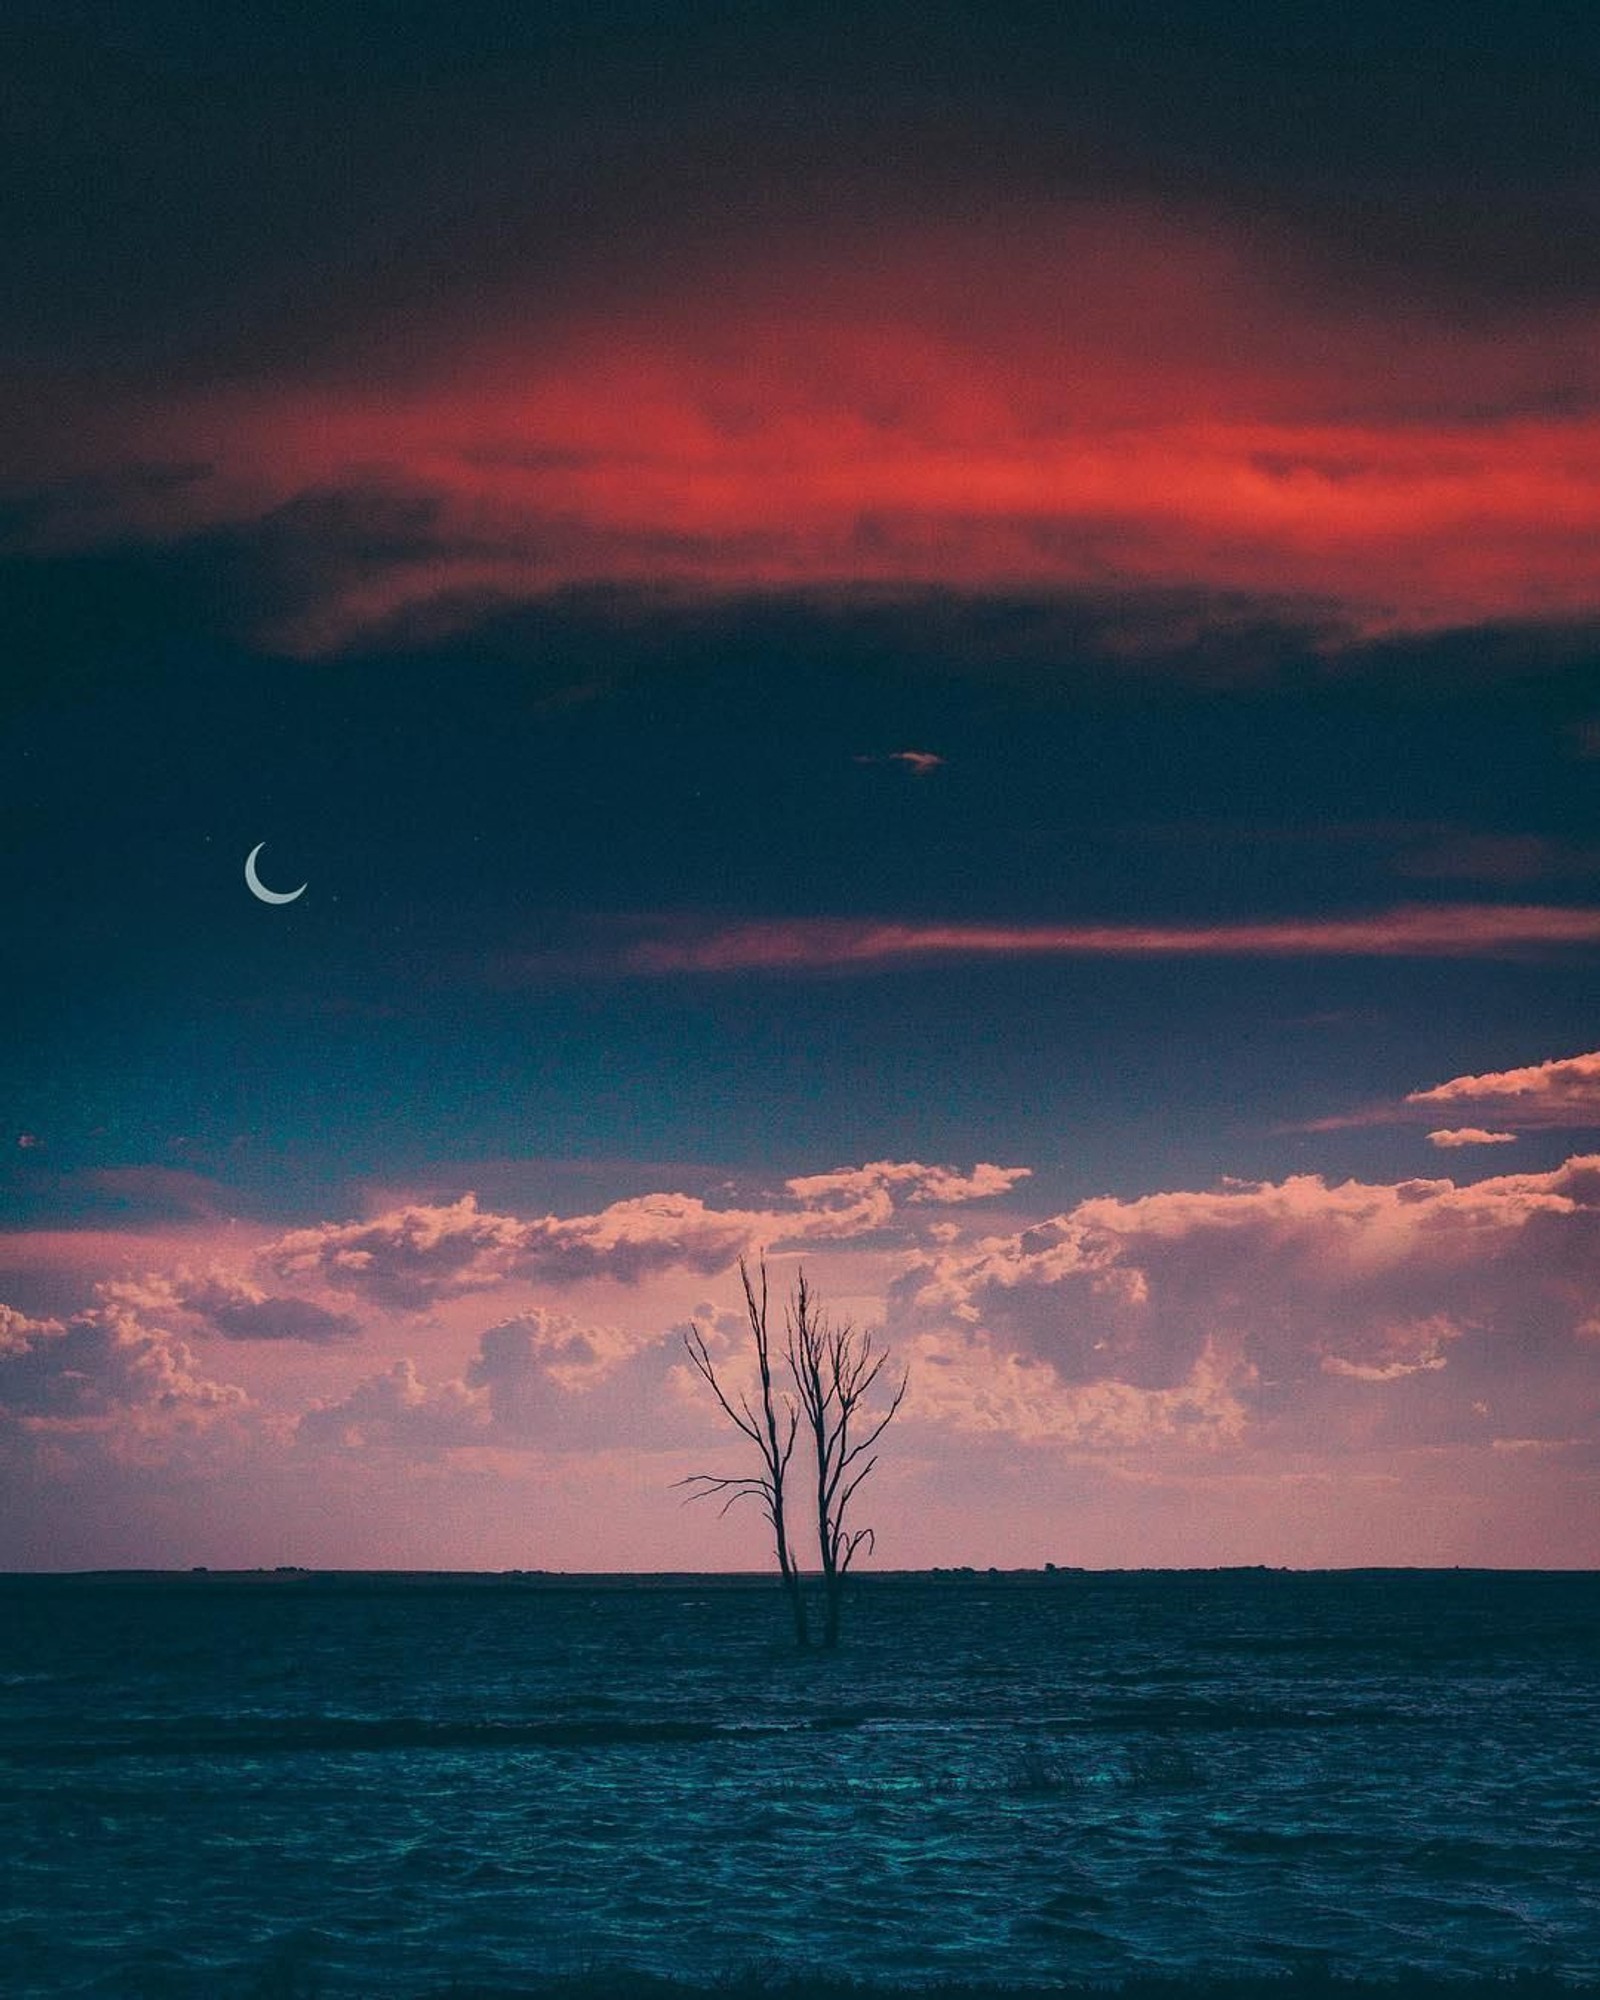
<point>1301,1985</point>
<point>295,1983</point>
<point>292,1980</point>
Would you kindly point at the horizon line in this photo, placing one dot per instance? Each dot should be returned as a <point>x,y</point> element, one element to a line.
<point>291,1571</point>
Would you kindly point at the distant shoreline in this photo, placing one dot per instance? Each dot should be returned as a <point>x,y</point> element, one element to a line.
<point>290,1981</point>
<point>542,1579</point>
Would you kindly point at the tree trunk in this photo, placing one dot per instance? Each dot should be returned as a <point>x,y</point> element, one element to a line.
<point>797,1605</point>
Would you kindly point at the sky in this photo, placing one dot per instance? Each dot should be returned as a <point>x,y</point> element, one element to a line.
<point>954,645</point>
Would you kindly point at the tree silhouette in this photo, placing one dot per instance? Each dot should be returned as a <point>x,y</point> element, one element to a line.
<point>834,1370</point>
<point>772,1437</point>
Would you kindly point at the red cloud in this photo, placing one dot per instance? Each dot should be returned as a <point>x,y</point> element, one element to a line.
<point>1073,398</point>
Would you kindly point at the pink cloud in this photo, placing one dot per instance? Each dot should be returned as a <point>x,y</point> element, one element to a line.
<point>1463,930</point>
<point>220,1302</point>
<point>1470,1135</point>
<point>104,1367</point>
<point>406,1257</point>
<point>1419,1299</point>
<point>396,1408</point>
<point>969,1384</point>
<point>1163,1373</point>
<point>415,1254</point>
<point>861,1198</point>
<point>540,1380</point>
<point>19,1330</point>
<point>421,1252</point>
<point>1562,1092</point>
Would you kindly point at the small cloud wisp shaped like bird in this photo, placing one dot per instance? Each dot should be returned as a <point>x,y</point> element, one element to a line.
<point>918,762</point>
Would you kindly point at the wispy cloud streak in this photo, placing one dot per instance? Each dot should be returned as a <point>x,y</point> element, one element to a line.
<point>1465,930</point>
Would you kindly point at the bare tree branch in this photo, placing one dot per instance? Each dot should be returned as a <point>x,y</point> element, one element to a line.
<point>694,1342</point>
<point>835,1369</point>
<point>773,1441</point>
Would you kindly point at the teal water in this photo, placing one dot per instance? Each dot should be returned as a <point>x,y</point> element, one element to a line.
<point>399,1781</point>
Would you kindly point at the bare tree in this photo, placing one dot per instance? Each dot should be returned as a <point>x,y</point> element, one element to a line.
<point>835,1368</point>
<point>772,1435</point>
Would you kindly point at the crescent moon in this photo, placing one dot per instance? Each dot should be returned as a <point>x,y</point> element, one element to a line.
<point>253,880</point>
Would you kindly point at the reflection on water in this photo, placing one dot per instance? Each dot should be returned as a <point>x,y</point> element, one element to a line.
<point>1072,1776</point>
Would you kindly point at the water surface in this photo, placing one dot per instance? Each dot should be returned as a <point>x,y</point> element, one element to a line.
<point>398,1781</point>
